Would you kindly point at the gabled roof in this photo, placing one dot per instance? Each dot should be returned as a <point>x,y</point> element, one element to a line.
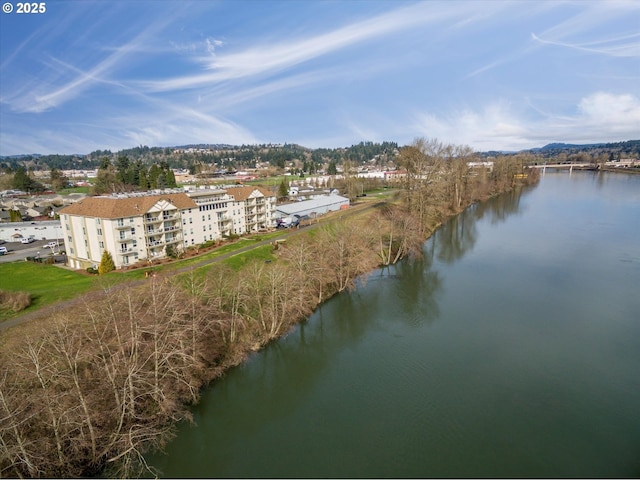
<point>240,194</point>
<point>113,207</point>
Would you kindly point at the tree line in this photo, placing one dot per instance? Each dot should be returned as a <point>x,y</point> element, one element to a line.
<point>92,389</point>
<point>126,175</point>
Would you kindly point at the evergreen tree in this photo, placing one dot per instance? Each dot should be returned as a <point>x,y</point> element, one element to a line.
<point>171,179</point>
<point>106,263</point>
<point>15,216</point>
<point>143,181</point>
<point>283,189</point>
<point>332,169</point>
<point>22,181</point>
<point>154,172</point>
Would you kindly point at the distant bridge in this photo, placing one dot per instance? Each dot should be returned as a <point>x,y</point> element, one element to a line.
<point>588,166</point>
<point>566,166</point>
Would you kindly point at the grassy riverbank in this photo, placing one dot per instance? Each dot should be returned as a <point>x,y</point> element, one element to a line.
<point>89,390</point>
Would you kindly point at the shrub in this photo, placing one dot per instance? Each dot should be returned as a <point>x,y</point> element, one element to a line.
<point>92,271</point>
<point>14,301</point>
<point>106,263</point>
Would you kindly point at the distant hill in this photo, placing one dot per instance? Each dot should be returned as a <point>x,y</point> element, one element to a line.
<point>630,148</point>
<point>237,156</point>
<point>565,146</point>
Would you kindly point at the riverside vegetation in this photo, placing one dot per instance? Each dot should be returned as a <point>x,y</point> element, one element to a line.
<point>89,391</point>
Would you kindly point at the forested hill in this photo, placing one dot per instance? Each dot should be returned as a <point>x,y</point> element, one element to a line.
<point>234,157</point>
<point>225,156</point>
<point>623,149</point>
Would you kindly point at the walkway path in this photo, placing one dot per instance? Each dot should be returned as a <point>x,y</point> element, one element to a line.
<point>49,310</point>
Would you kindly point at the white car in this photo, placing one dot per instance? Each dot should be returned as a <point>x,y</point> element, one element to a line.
<point>28,240</point>
<point>51,245</point>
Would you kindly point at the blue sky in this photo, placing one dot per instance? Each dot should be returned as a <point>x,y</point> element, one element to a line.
<point>87,75</point>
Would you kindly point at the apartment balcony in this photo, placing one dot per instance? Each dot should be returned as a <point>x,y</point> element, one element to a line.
<point>152,219</point>
<point>123,226</point>
<point>171,228</point>
<point>170,216</point>
<point>155,243</point>
<point>126,238</point>
<point>126,251</point>
<point>175,239</point>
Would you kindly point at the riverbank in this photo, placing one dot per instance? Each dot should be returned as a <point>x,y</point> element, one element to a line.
<point>89,391</point>
<point>510,344</point>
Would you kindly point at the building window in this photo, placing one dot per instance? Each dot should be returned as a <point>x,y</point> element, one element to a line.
<point>122,235</point>
<point>99,231</point>
<point>97,221</point>
<point>190,220</point>
<point>120,222</point>
<point>101,244</point>
<point>70,239</point>
<point>133,231</point>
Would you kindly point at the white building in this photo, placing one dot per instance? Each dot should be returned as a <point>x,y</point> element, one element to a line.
<point>313,208</point>
<point>138,227</point>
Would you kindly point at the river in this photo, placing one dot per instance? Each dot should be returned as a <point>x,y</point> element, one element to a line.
<point>512,349</point>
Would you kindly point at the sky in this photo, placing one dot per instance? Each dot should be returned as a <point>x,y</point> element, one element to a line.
<point>86,75</point>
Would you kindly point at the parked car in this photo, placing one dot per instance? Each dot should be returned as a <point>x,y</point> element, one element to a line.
<point>28,240</point>
<point>3,250</point>
<point>51,245</point>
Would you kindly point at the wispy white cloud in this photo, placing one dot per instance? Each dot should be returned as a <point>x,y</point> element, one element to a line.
<point>580,31</point>
<point>279,56</point>
<point>61,85</point>
<point>624,46</point>
<point>600,116</point>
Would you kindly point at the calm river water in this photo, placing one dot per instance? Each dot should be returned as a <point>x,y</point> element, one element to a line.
<point>512,349</point>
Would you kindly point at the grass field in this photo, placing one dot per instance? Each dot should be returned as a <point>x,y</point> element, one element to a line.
<point>49,284</point>
<point>46,283</point>
<point>67,191</point>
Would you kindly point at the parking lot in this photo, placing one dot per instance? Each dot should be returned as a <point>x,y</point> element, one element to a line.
<point>20,251</point>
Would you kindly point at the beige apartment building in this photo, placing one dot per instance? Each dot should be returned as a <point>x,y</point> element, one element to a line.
<point>135,227</point>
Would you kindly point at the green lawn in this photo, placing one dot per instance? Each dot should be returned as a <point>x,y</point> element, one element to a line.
<point>45,283</point>
<point>67,191</point>
<point>48,283</point>
<point>264,252</point>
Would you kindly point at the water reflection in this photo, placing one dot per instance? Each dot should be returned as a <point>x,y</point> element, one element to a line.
<point>459,234</point>
<point>276,385</point>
